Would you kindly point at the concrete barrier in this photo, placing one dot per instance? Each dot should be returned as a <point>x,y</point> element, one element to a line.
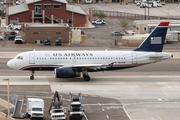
<point>5,104</point>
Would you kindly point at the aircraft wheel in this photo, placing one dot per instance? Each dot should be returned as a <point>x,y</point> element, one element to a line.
<point>32,77</point>
<point>86,77</point>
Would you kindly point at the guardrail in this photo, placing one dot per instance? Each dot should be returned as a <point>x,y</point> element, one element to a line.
<point>132,15</point>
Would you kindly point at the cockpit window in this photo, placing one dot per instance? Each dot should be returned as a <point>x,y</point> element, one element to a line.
<point>20,58</point>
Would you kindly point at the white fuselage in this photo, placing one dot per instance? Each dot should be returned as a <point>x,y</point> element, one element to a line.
<point>48,60</point>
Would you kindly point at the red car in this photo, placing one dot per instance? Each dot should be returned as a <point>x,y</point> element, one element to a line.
<point>82,33</point>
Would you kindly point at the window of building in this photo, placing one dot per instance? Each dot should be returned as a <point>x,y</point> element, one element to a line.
<point>49,6</point>
<point>58,32</point>
<point>35,33</point>
<point>70,21</point>
<point>56,5</point>
<point>44,6</point>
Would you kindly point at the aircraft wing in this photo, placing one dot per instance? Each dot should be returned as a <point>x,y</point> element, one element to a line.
<point>87,66</point>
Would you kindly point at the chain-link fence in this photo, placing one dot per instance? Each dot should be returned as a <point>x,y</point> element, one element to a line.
<point>132,15</point>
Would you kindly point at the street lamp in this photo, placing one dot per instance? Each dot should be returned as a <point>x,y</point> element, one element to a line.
<point>7,79</point>
<point>72,17</point>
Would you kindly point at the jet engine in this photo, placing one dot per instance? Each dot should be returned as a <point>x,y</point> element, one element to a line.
<point>66,73</point>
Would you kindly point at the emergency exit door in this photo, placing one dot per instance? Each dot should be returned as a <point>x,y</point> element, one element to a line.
<point>134,58</point>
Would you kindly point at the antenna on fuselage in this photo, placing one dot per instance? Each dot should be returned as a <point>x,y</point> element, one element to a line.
<point>34,50</point>
<point>106,50</point>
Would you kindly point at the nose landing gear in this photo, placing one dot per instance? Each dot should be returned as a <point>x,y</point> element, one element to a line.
<point>32,75</point>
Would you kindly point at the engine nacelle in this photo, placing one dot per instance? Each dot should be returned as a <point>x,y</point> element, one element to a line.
<point>66,73</point>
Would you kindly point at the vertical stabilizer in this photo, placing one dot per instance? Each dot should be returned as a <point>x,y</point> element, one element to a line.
<point>155,41</point>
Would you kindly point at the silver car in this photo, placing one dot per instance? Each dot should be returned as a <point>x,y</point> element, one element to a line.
<point>18,39</point>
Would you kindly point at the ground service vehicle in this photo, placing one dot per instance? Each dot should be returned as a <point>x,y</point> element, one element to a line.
<point>76,110</point>
<point>99,22</point>
<point>56,110</point>
<point>35,108</point>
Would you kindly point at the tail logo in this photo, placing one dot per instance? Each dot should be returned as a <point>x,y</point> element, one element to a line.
<point>156,40</point>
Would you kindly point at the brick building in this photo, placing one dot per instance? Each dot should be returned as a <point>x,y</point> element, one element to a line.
<point>43,31</point>
<point>49,11</point>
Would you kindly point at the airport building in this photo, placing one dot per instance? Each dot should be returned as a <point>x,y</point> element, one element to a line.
<point>49,11</point>
<point>38,33</point>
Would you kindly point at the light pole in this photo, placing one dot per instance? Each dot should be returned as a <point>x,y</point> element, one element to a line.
<point>7,79</point>
<point>72,17</point>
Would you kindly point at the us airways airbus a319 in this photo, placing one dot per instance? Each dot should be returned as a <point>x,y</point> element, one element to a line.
<point>70,64</point>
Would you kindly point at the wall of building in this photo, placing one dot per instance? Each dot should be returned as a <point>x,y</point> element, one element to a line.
<point>42,33</point>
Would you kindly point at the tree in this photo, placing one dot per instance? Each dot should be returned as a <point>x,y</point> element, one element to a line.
<point>124,24</point>
<point>100,14</point>
<point>2,14</point>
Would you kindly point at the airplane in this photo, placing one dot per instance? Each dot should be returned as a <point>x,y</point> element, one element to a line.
<point>70,64</point>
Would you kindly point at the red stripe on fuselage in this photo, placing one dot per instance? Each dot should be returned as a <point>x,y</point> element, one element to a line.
<point>62,65</point>
<point>41,66</point>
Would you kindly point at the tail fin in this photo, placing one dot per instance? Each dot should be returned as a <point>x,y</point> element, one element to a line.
<point>155,41</point>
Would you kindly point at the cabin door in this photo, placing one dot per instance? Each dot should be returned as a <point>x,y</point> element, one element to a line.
<point>134,58</point>
<point>31,58</point>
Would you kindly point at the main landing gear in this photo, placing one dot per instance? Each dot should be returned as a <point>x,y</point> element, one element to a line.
<point>86,76</point>
<point>32,75</point>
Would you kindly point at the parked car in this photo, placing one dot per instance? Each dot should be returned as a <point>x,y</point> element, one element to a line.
<point>1,38</point>
<point>99,22</point>
<point>159,4</point>
<point>117,33</point>
<point>82,32</point>
<point>163,3</point>
<point>18,39</point>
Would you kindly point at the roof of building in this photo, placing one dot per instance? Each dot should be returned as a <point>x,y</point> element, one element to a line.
<point>61,1</point>
<point>34,1</point>
<point>75,9</point>
<point>46,25</point>
<point>24,7</point>
<point>18,9</point>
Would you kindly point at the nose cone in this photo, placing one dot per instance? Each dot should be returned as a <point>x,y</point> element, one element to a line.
<point>10,64</point>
